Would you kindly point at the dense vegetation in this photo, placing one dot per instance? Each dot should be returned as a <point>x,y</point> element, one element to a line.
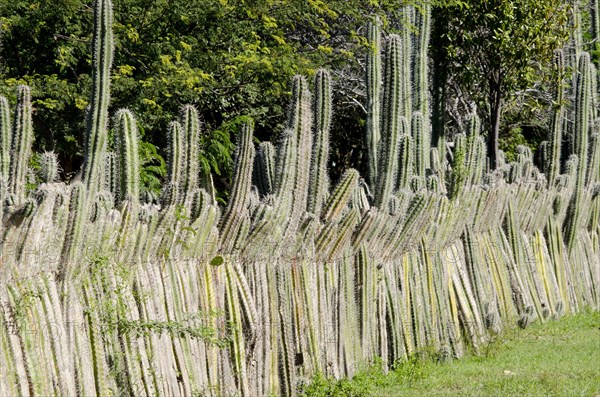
<point>233,59</point>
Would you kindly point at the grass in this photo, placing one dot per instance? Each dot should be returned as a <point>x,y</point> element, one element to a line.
<point>556,358</point>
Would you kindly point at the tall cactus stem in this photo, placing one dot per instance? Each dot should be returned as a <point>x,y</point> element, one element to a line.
<point>5,138</point>
<point>128,159</point>
<point>21,144</point>
<point>421,137</point>
<point>97,118</point>
<point>373,85</point>
<point>191,128</point>
<point>319,180</point>
<point>552,166</point>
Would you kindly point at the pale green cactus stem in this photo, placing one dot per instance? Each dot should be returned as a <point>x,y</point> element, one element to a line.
<point>237,209</point>
<point>286,159</point>
<point>341,195</point>
<point>97,118</point>
<point>128,159</point>
<point>300,120</point>
<point>421,137</point>
<point>373,86</point>
<point>264,168</point>
<point>406,81</point>
<point>22,140</point>
<point>191,128</point>
<point>552,166</point>
<point>75,227</point>
<point>319,180</point>
<point>583,100</point>
<point>49,167</point>
<point>594,163</point>
<point>459,172</point>
<point>5,138</point>
<point>392,122</point>
<point>406,158</point>
<point>421,76</point>
<point>175,164</point>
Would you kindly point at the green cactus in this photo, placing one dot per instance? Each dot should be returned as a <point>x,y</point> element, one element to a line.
<point>191,129</point>
<point>406,161</point>
<point>172,193</point>
<point>420,95</point>
<point>373,87</point>
<point>319,180</point>
<point>49,167</point>
<point>128,159</point>
<point>422,147</point>
<point>5,138</point>
<point>97,117</point>
<point>393,122</point>
<point>237,209</point>
<point>552,166</point>
<point>579,144</point>
<point>341,195</point>
<point>264,168</point>
<point>21,144</point>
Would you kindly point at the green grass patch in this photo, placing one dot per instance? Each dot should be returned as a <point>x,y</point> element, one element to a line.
<point>556,358</point>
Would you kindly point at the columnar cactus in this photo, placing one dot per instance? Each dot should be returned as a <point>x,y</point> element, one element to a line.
<point>175,163</point>
<point>49,167</point>
<point>5,137</point>
<point>579,144</point>
<point>373,85</point>
<point>420,95</point>
<point>191,128</point>
<point>237,209</point>
<point>21,144</point>
<point>264,168</point>
<point>97,118</point>
<point>406,81</point>
<point>392,122</point>
<point>128,159</point>
<point>406,158</point>
<point>421,134</point>
<point>319,180</point>
<point>552,165</point>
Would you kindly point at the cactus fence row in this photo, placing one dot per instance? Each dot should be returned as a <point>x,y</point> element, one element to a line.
<point>102,293</point>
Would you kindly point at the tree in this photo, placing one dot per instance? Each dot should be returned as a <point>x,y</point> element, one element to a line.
<point>496,47</point>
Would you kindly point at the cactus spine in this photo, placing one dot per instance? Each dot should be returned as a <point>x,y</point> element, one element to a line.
<point>97,119</point>
<point>128,162</point>
<point>373,85</point>
<point>21,144</point>
<point>5,138</point>
<point>49,167</point>
<point>319,180</point>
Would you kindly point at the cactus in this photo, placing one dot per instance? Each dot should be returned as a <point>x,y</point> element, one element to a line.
<point>49,167</point>
<point>579,144</point>
<point>373,86</point>
<point>392,122</point>
<point>128,159</point>
<point>5,138</point>
<point>264,168</point>
<point>421,76</point>
<point>406,160</point>
<point>319,180</point>
<point>191,129</point>
<point>175,163</point>
<point>97,117</point>
<point>340,195</point>
<point>421,135</point>
<point>22,140</point>
<point>552,168</point>
<point>237,208</point>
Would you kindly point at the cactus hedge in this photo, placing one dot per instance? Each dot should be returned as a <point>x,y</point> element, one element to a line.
<point>104,293</point>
